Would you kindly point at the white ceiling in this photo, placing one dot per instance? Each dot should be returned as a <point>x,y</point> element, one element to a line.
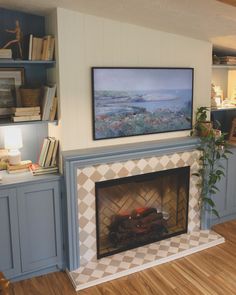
<point>201,19</point>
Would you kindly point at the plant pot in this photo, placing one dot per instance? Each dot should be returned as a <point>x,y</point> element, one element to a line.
<point>204,128</point>
<point>205,218</point>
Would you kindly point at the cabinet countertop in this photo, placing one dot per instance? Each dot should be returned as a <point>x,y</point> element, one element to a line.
<point>22,178</point>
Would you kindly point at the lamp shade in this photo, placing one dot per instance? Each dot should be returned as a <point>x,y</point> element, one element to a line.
<point>12,138</point>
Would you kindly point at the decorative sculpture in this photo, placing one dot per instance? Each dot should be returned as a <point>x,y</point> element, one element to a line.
<point>18,38</point>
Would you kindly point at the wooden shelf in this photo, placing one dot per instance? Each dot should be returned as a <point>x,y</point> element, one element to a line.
<point>8,122</point>
<point>220,109</point>
<point>224,66</point>
<point>27,62</point>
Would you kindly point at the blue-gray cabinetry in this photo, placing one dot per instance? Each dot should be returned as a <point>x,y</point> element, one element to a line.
<point>30,226</point>
<point>9,238</point>
<point>225,199</point>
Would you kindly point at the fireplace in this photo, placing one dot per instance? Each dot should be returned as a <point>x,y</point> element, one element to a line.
<point>156,180</point>
<point>138,210</point>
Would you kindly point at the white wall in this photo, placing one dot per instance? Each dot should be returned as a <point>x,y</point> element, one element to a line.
<point>220,78</point>
<point>85,41</point>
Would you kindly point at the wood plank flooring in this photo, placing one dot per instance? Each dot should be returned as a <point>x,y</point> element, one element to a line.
<point>212,271</point>
<point>230,2</point>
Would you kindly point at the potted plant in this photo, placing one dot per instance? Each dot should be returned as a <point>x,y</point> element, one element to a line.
<point>214,149</point>
<point>202,125</point>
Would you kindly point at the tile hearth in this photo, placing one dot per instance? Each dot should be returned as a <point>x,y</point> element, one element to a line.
<point>131,261</point>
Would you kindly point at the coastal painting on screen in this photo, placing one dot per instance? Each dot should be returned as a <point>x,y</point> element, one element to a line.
<point>138,101</point>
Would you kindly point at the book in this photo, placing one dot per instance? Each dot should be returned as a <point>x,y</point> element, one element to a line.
<point>38,170</point>
<point>5,53</point>
<point>56,170</point>
<point>22,166</point>
<point>23,109</point>
<point>53,109</point>
<point>46,45</point>
<point>50,152</point>
<point>26,118</point>
<point>43,152</point>
<point>30,46</point>
<point>26,113</point>
<point>37,44</point>
<point>54,155</point>
<point>47,102</point>
<point>51,49</point>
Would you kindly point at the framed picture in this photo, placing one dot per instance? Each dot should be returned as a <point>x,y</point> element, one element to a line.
<point>10,81</point>
<point>232,136</point>
<point>139,101</point>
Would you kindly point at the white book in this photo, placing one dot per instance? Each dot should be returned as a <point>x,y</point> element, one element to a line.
<point>49,94</point>
<point>29,113</point>
<point>30,46</point>
<point>54,155</point>
<point>5,53</point>
<point>50,152</point>
<point>26,118</point>
<point>43,153</point>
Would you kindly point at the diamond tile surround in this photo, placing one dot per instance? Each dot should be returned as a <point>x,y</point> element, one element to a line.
<point>87,176</point>
<point>93,271</point>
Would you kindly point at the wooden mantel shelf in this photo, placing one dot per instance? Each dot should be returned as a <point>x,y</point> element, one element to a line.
<point>83,157</point>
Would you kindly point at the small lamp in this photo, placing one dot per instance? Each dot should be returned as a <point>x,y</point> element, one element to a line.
<point>13,142</point>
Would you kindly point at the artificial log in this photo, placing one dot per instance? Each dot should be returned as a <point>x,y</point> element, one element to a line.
<point>142,224</point>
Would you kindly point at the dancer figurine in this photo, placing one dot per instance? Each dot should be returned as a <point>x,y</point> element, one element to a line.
<point>18,38</point>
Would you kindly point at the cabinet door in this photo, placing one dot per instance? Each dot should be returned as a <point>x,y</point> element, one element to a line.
<point>225,199</point>
<point>40,226</point>
<point>9,234</point>
<point>231,184</point>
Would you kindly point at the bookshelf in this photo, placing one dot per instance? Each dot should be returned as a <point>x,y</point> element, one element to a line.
<point>25,199</point>
<point>35,71</point>
<point>35,75</point>
<point>223,76</point>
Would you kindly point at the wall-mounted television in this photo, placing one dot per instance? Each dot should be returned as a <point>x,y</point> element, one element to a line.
<point>138,101</point>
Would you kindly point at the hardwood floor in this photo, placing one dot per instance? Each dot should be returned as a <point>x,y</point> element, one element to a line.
<point>230,2</point>
<point>212,271</point>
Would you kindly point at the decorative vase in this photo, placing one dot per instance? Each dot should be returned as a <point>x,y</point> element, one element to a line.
<point>205,218</point>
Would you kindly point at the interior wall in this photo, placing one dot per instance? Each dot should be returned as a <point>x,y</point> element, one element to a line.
<point>85,41</point>
<point>220,78</point>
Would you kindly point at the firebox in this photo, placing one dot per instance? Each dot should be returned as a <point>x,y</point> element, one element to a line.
<point>138,210</point>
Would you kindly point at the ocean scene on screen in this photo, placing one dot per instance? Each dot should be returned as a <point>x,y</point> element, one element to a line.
<point>131,102</point>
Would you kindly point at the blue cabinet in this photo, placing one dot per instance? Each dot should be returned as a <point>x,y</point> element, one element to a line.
<point>225,199</point>
<point>30,228</point>
<point>9,238</point>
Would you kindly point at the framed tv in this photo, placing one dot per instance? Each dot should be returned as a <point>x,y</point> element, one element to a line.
<point>138,101</point>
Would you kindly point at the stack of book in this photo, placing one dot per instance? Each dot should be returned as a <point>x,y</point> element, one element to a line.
<point>26,114</point>
<point>48,158</point>
<point>36,169</point>
<point>49,103</point>
<point>41,48</point>
<point>22,167</point>
<point>5,53</point>
<point>228,60</point>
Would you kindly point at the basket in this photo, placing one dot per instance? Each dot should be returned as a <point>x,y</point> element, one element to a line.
<point>30,97</point>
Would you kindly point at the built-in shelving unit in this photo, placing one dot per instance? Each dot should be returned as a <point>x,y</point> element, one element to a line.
<point>27,62</point>
<point>35,74</point>
<point>35,71</point>
<point>224,66</point>
<point>222,76</point>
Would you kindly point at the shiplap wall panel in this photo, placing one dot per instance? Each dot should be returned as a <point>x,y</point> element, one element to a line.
<point>85,41</point>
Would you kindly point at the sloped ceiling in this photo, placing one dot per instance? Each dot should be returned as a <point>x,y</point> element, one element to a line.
<point>209,20</point>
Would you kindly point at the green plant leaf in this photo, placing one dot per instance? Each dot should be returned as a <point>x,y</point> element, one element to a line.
<point>215,212</point>
<point>209,201</point>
